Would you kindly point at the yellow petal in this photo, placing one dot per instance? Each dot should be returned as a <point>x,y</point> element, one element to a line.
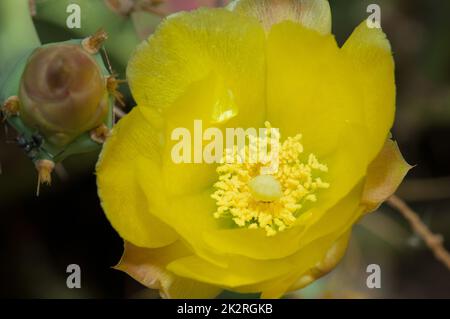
<point>249,275</point>
<point>314,88</point>
<point>188,47</point>
<point>333,256</point>
<point>188,215</point>
<point>341,217</point>
<point>255,244</point>
<point>148,266</point>
<point>384,175</point>
<point>373,67</point>
<point>300,280</point>
<point>206,65</point>
<point>312,14</point>
<point>195,105</point>
<point>122,199</point>
<point>240,271</point>
<point>309,89</point>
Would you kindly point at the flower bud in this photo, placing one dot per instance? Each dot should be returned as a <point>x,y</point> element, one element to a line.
<point>62,93</point>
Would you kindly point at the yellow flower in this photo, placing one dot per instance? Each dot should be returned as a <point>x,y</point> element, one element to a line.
<point>192,230</point>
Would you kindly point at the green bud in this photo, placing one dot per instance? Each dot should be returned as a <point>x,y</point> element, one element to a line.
<point>59,98</point>
<point>62,93</point>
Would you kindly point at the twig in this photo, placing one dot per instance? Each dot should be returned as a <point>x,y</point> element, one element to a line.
<point>433,241</point>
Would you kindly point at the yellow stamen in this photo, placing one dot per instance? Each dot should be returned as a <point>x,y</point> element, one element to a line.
<point>272,202</point>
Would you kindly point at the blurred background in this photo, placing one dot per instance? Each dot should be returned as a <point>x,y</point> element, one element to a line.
<point>41,236</point>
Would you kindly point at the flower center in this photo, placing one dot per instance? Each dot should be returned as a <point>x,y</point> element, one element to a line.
<point>265,188</point>
<point>254,195</point>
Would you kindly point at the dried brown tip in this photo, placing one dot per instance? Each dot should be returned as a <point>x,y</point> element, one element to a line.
<point>94,43</point>
<point>11,106</point>
<point>45,169</point>
<point>100,134</point>
<point>112,85</point>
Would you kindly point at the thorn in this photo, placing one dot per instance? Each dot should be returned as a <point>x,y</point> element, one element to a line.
<point>112,85</point>
<point>108,62</point>
<point>11,107</point>
<point>45,169</point>
<point>100,134</point>
<point>93,43</point>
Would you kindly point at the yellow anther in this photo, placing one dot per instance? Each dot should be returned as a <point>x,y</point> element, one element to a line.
<point>274,201</point>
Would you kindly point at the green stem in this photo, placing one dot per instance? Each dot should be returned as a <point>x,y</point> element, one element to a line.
<point>17,37</point>
<point>17,32</point>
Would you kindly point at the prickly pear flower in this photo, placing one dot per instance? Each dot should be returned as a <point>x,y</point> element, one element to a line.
<point>194,229</point>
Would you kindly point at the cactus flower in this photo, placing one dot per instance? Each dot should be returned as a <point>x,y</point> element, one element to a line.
<point>194,229</point>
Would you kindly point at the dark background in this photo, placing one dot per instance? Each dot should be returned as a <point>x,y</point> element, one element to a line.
<point>41,236</point>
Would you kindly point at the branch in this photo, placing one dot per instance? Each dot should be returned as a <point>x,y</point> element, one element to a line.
<point>433,241</point>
